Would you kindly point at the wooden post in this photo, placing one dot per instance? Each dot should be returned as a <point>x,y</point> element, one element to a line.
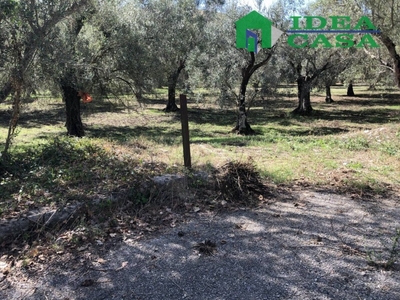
<point>185,131</point>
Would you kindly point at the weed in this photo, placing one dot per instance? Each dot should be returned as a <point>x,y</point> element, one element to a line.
<point>138,197</point>
<point>387,259</point>
<point>355,144</point>
<point>355,165</point>
<point>105,204</point>
<point>390,148</point>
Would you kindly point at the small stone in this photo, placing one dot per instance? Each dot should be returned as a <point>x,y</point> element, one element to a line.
<point>41,257</point>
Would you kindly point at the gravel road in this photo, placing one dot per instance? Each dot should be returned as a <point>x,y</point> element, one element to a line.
<point>311,247</point>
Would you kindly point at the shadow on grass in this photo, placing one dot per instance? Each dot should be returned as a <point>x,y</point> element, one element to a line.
<point>54,114</point>
<point>212,116</point>
<point>376,98</point>
<point>272,135</point>
<point>159,134</point>
<point>370,115</point>
<point>315,131</point>
<point>35,119</point>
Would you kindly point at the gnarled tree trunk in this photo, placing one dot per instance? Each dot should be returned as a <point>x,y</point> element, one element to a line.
<point>350,91</point>
<point>328,98</point>
<point>303,94</point>
<point>391,46</point>
<point>304,84</point>
<point>73,109</point>
<point>242,126</point>
<point>172,82</point>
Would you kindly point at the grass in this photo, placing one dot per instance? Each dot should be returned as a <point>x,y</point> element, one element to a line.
<point>351,145</point>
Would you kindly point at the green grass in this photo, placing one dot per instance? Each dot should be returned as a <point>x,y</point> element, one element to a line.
<point>351,145</point>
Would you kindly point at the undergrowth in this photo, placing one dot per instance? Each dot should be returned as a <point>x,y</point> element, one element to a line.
<point>65,169</point>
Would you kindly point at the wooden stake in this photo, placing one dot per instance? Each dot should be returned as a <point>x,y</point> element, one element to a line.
<point>185,131</point>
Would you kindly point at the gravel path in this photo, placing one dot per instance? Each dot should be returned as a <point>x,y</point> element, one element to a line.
<point>313,247</point>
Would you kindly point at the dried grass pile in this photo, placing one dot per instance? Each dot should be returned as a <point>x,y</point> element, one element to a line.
<point>240,182</point>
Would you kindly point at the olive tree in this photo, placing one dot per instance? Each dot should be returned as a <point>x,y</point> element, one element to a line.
<point>26,28</point>
<point>31,22</point>
<point>385,15</point>
<point>174,29</point>
<point>231,70</point>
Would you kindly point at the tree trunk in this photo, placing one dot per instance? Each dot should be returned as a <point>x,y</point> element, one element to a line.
<point>328,98</point>
<point>242,126</point>
<point>350,91</point>
<point>372,85</point>
<point>303,93</point>
<point>391,46</point>
<point>171,105</point>
<point>73,110</point>
<point>172,82</point>
<point>70,93</point>
<point>304,84</point>
<point>17,86</point>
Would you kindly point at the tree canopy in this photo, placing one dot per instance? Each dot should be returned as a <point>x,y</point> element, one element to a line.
<point>120,47</point>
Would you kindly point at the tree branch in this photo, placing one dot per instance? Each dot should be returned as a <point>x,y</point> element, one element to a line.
<point>383,63</point>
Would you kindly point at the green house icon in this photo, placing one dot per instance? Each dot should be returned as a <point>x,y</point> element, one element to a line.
<point>256,21</point>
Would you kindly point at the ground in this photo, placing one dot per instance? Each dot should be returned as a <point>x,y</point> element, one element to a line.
<point>307,245</point>
<point>305,199</point>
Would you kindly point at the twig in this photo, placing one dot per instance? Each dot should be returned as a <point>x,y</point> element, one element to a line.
<point>183,290</point>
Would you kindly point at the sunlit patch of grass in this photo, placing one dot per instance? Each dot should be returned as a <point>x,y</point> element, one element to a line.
<point>278,174</point>
<point>355,165</point>
<point>365,184</point>
<point>330,164</point>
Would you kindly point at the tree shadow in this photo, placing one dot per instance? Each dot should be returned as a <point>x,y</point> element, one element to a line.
<point>35,118</point>
<point>294,247</point>
<point>54,114</point>
<point>364,116</point>
<point>212,116</point>
<point>383,97</point>
<point>121,134</point>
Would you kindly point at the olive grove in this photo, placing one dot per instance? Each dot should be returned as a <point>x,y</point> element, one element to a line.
<point>112,48</point>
